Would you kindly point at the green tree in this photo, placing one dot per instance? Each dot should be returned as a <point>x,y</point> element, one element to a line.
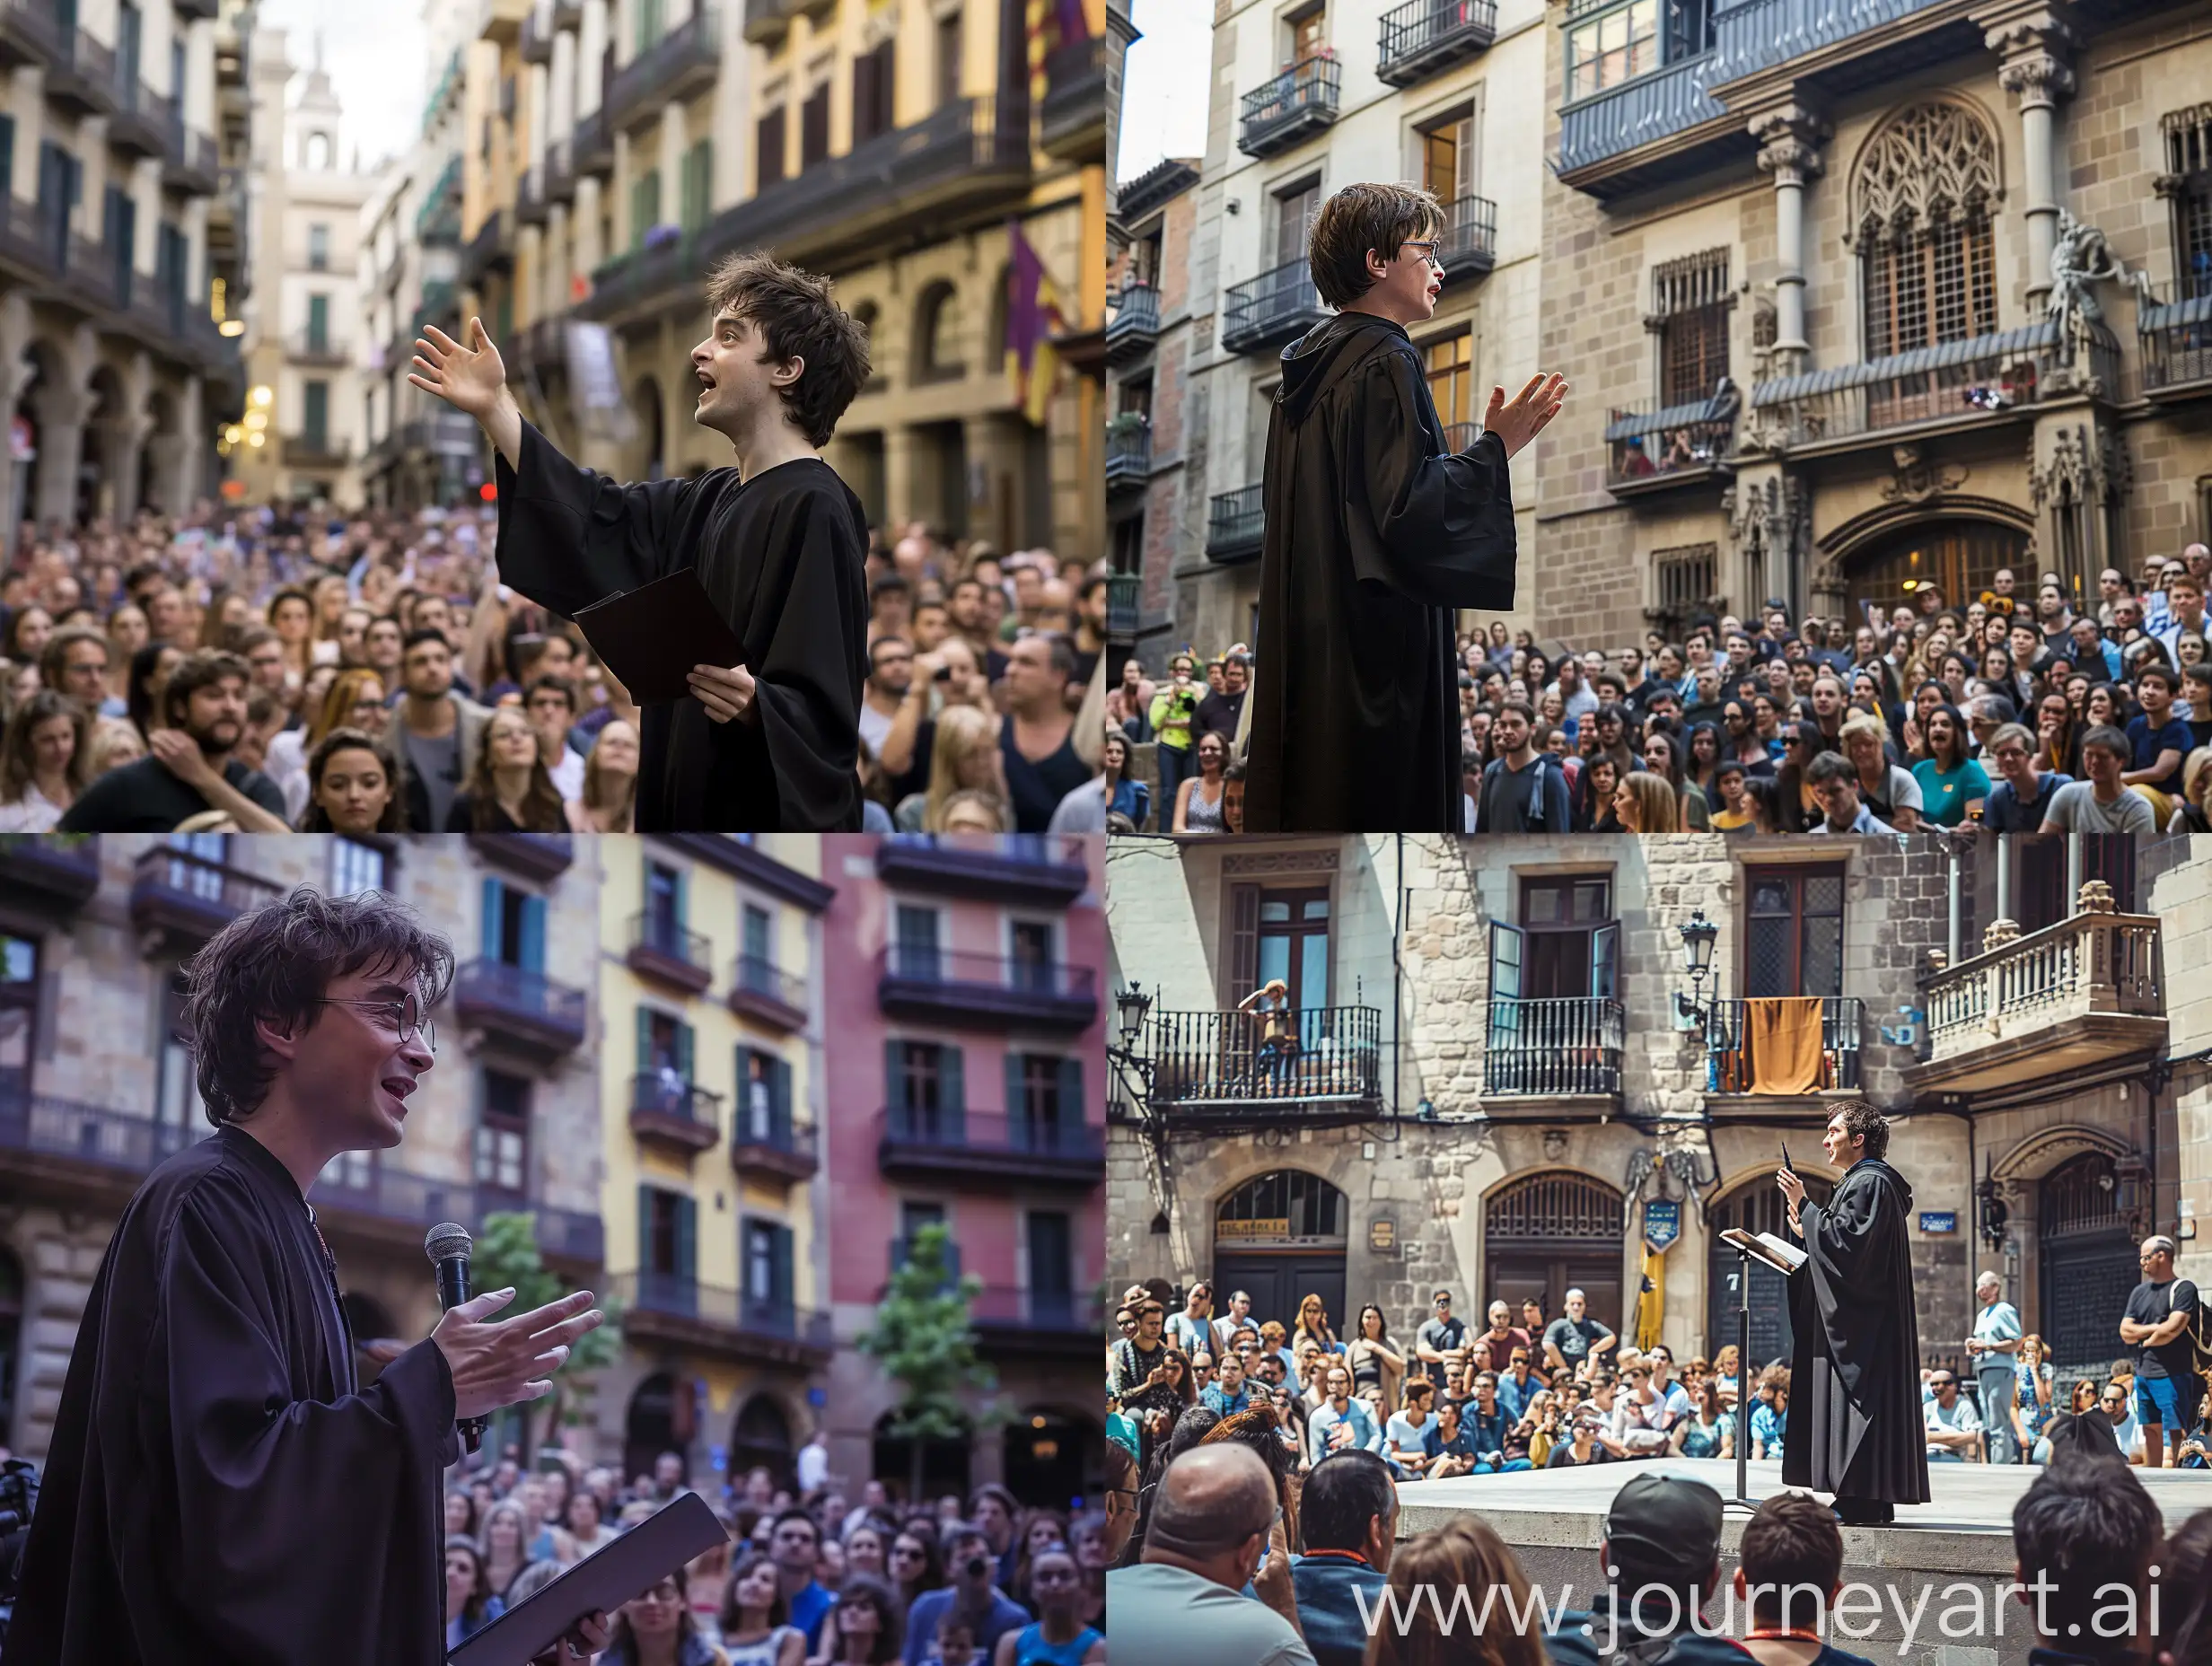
<point>923,1341</point>
<point>507,1253</point>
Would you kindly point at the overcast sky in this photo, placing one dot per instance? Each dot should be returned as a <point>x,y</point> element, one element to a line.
<point>1164,84</point>
<point>374,52</point>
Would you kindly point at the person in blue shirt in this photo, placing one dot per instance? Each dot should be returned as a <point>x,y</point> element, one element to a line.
<point>1228,1394</point>
<point>1338,1411</point>
<point>1060,1638</point>
<point>2089,650</point>
<point>470,1603</point>
<point>1770,1417</point>
<point>2159,740</point>
<point>1347,1519</point>
<point>795,1546</point>
<point>973,1594</point>
<point>1518,1386</point>
<point>1835,788</point>
<point>2020,796</point>
<point>1487,1425</point>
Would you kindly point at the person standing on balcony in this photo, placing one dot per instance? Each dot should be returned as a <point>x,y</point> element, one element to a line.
<point>1374,534</point>
<point>219,1487</point>
<point>779,541</point>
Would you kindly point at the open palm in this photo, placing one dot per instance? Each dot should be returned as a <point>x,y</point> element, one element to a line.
<point>468,378</point>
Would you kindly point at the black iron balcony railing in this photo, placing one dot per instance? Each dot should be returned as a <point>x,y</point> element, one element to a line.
<point>2176,343</point>
<point>94,272</point>
<point>1649,450</point>
<point>954,986</point>
<point>1128,453</point>
<point>320,347</point>
<point>27,236</point>
<point>591,146</point>
<point>190,898</point>
<point>662,949</point>
<point>1424,37</point>
<point>1072,118</point>
<point>520,1002</point>
<point>141,119</point>
<point>560,173</point>
<point>30,30</point>
<point>1234,524</point>
<point>489,251</point>
<point>667,1109</point>
<point>537,855</point>
<point>1134,324</point>
<point>315,451</point>
<point>61,872</point>
<point>902,1253</point>
<point>1733,1066</point>
<point>1270,308</point>
<point>82,75</point>
<point>193,165</point>
<point>531,208</point>
<point>1124,609</point>
<point>662,273</point>
<point>968,1147</point>
<point>1042,1319</point>
<point>680,63</point>
<point>660,1306</point>
<point>1299,102</point>
<point>761,989</point>
<point>1553,1047</point>
<point>764,1135</point>
<point>1038,869</point>
<point>1468,244</point>
<point>1222,1058</point>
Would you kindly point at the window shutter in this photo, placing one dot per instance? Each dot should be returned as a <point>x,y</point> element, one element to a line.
<point>1605,962</point>
<point>895,1083</point>
<point>1506,945</point>
<point>683,898</point>
<point>645,1231</point>
<point>533,934</point>
<point>1244,943</point>
<point>952,1088</point>
<point>644,1040</point>
<point>1463,158</point>
<point>780,1237</point>
<point>687,1237</point>
<point>683,1052</point>
<point>1021,1118</point>
<point>779,1099</point>
<point>492,892</point>
<point>863,96</point>
<point>1067,1115</point>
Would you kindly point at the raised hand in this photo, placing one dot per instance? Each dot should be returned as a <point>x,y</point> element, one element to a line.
<point>468,378</point>
<point>497,1363</point>
<point>1517,423</point>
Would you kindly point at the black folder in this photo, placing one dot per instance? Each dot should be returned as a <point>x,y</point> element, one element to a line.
<point>652,636</point>
<point>603,1581</point>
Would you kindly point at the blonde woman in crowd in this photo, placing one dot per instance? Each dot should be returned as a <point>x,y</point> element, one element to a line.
<point>1646,803</point>
<point>608,802</point>
<point>1465,1555</point>
<point>964,757</point>
<point>349,700</point>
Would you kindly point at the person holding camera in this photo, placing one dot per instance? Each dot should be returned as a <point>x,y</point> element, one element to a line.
<point>1173,709</point>
<point>973,1596</point>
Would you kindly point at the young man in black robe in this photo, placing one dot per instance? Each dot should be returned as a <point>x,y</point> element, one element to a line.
<point>1375,532</point>
<point>779,541</point>
<point>1855,1427</point>
<point>219,1487</point>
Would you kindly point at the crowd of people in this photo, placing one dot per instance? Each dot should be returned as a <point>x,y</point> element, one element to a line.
<point>2023,708</point>
<point>808,1577</point>
<point>249,669</point>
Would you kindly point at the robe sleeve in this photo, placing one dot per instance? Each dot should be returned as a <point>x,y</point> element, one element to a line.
<point>289,1510</point>
<point>1443,526</point>
<point>570,537</point>
<point>1849,1235</point>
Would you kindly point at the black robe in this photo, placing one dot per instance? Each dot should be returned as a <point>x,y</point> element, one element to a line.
<point>1375,533</point>
<point>219,1488</point>
<point>782,555</point>
<point>1855,1427</point>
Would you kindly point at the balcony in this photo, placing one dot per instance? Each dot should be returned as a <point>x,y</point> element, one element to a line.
<point>1134,326</point>
<point>683,61</point>
<point>1008,1319</point>
<point>1733,1066</point>
<point>665,952</point>
<point>541,343</point>
<point>1977,383</point>
<point>502,20</point>
<point>591,146</point>
<point>316,450</point>
<point>1128,453</point>
<point>536,45</point>
<point>769,1142</point>
<point>985,991</point>
<point>55,874</point>
<point>192,163</point>
<point>2049,1006</point>
<point>2176,344</point>
<point>91,274</point>
<point>1547,1050</point>
<point>560,173</point>
<point>531,208</point>
<point>80,77</point>
<point>28,239</point>
<point>488,251</point>
<point>438,220</point>
<point>663,274</point>
<point>1035,870</point>
<point>1235,521</point>
<point>178,901</point>
<point>967,1148</point>
<point>1295,106</point>
<point>1213,1063</point>
<point>763,991</point>
<point>567,14</point>
<point>142,118</point>
<point>961,162</point>
<point>674,1114</point>
<point>1468,244</point>
<point>533,855</point>
<point>1265,311</point>
<point>318,347</point>
<point>768,22</point>
<point>1652,452</point>
<point>1426,38</point>
<point>521,1005</point>
<point>1071,123</point>
<point>670,1309</point>
<point>29,33</point>
<point>1123,608</point>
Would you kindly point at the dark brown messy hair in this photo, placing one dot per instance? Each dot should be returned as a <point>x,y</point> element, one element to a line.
<point>275,963</point>
<point>1358,218</point>
<point>1861,1119</point>
<point>202,669</point>
<point>796,320</point>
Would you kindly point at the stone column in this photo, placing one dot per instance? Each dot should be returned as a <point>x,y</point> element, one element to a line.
<point>60,412</point>
<point>27,85</point>
<point>988,460</point>
<point>1790,136</point>
<point>2031,50</point>
<point>900,444</point>
<point>127,438</point>
<point>168,451</point>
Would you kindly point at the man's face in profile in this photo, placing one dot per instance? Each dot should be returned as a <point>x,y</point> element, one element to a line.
<point>354,1061</point>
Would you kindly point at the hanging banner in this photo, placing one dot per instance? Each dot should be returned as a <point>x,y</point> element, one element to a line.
<point>1662,1224</point>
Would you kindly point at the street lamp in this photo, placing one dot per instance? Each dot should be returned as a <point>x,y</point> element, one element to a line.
<point>1131,1004</point>
<point>1697,939</point>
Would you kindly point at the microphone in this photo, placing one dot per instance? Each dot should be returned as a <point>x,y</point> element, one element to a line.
<point>447,1246</point>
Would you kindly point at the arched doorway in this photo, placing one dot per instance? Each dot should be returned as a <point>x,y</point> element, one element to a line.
<point>1281,1235</point>
<point>761,1439</point>
<point>653,428</point>
<point>1048,1458</point>
<point>1755,1207</point>
<point>943,1464</point>
<point>11,1343</point>
<point>2089,1266</point>
<point>663,1417</point>
<point>1550,1233</point>
<point>368,1320</point>
<point>1959,557</point>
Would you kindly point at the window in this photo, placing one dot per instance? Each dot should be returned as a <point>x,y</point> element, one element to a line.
<point>667,1235</point>
<point>1308,35</point>
<point>2188,163</point>
<point>1044,1101</point>
<point>1279,933</point>
<point>1293,213</point>
<point>2039,875</point>
<point>514,926</point>
<point>317,152</point>
<point>1548,1031</point>
<point>1920,202</point>
<point>1031,941</point>
<point>1794,944</point>
<point>1450,368</point>
<point>1690,297</point>
<point>936,335</point>
<point>664,1081</point>
<point>315,398</point>
<point>502,1133</point>
<point>1052,1261</point>
<point>318,247</point>
<point>915,952</point>
<point>768,146</point>
<point>1448,158</point>
<point>644,206</point>
<point>664,914</point>
<point>948,58</point>
<point>1608,50</point>
<point>355,866</point>
<point>7,147</point>
<point>872,84</point>
<point>648,15</point>
<point>1686,576</point>
<point>1129,544</point>
<point>763,1099</point>
<point>1573,941</point>
<point>757,930</point>
<point>18,1017</point>
<point>924,1088</point>
<point>129,32</point>
<point>178,1102</point>
<point>318,323</point>
<point>768,1270</point>
<point>814,128</point>
<point>698,175</point>
<point>120,234</point>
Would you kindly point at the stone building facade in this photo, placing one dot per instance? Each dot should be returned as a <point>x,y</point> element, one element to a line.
<point>95,1091</point>
<point>1809,305</point>
<point>1442,1130</point>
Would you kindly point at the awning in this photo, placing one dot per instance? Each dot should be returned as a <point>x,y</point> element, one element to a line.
<point>2028,338</point>
<point>2196,310</point>
<point>1633,425</point>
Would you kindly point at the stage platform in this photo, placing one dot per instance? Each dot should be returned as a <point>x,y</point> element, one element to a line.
<point>1554,1521</point>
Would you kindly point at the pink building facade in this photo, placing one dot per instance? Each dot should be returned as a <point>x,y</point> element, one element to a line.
<point>965,1035</point>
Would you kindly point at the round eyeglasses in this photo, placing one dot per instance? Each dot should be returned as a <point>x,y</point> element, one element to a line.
<point>404,1015</point>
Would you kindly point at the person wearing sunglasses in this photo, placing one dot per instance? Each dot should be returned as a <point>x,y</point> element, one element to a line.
<point>280,1505</point>
<point>1377,527</point>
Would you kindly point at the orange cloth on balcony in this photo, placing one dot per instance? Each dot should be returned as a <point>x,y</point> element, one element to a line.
<point>1782,1036</point>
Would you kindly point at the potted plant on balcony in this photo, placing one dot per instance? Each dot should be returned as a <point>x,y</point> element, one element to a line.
<point>1127,424</point>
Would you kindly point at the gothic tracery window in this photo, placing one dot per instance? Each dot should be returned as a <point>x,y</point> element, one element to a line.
<point>1920,210</point>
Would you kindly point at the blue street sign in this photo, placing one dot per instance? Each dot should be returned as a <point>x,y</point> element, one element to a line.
<point>818,1397</point>
<point>1662,1224</point>
<point>1939,1220</point>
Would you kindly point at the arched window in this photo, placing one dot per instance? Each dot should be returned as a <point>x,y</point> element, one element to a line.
<point>1920,206</point>
<point>319,151</point>
<point>936,335</point>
